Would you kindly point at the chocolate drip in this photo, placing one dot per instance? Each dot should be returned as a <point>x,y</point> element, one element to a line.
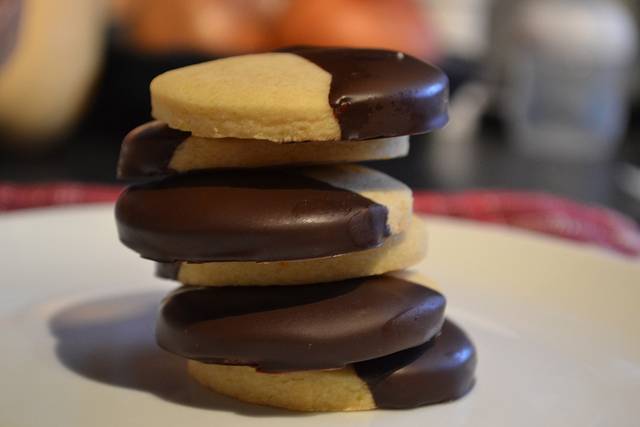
<point>438,371</point>
<point>294,328</point>
<point>246,216</point>
<point>148,149</point>
<point>379,93</point>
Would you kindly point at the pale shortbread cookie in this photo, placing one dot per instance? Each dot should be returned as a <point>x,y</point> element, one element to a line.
<point>210,153</point>
<point>397,253</point>
<point>311,391</point>
<point>276,96</point>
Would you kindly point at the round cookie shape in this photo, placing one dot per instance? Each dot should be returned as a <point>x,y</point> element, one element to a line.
<point>304,94</point>
<point>42,91</point>
<point>262,215</point>
<point>439,371</point>
<point>293,328</point>
<point>154,149</point>
<point>396,253</point>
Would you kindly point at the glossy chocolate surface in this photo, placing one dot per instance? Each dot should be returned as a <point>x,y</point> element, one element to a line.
<point>254,215</point>
<point>293,328</point>
<point>438,371</point>
<point>148,149</point>
<point>380,93</point>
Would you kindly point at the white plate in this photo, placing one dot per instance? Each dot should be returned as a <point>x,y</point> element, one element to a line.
<point>557,328</point>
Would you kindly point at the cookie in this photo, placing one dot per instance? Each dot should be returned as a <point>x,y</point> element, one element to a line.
<point>296,328</point>
<point>262,215</point>
<point>438,371</point>
<point>398,252</point>
<point>304,94</point>
<point>154,149</point>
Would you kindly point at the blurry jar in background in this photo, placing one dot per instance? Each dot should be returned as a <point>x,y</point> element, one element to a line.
<point>46,81</point>
<point>568,70</point>
<point>461,26</point>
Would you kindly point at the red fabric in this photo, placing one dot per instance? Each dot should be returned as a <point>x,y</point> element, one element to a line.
<point>531,211</point>
<point>539,212</point>
<point>16,196</point>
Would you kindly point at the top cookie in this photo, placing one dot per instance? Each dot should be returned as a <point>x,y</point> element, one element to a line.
<point>304,94</point>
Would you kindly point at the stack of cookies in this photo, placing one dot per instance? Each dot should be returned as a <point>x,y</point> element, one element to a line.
<point>291,258</point>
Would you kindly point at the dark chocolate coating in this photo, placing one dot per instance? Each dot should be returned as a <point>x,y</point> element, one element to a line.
<point>295,328</point>
<point>10,18</point>
<point>438,371</point>
<point>168,270</point>
<point>374,93</point>
<point>148,149</point>
<point>380,93</point>
<point>253,215</point>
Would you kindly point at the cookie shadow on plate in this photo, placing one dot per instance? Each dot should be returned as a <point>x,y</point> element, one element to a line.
<point>111,340</point>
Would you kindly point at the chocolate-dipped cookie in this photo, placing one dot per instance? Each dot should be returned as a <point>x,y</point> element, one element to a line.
<point>238,208</point>
<point>294,328</point>
<point>396,253</point>
<point>304,94</point>
<point>438,371</point>
<point>262,215</point>
<point>154,149</point>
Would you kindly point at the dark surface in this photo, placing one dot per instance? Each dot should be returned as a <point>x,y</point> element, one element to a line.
<point>294,328</point>
<point>121,102</point>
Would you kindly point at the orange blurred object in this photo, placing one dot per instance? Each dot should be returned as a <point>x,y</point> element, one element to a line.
<point>199,26</point>
<point>221,27</point>
<point>392,24</point>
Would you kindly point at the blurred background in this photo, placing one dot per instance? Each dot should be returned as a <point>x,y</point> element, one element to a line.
<point>545,93</point>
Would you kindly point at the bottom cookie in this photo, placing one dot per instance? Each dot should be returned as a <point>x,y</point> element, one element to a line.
<point>438,371</point>
<point>398,252</point>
